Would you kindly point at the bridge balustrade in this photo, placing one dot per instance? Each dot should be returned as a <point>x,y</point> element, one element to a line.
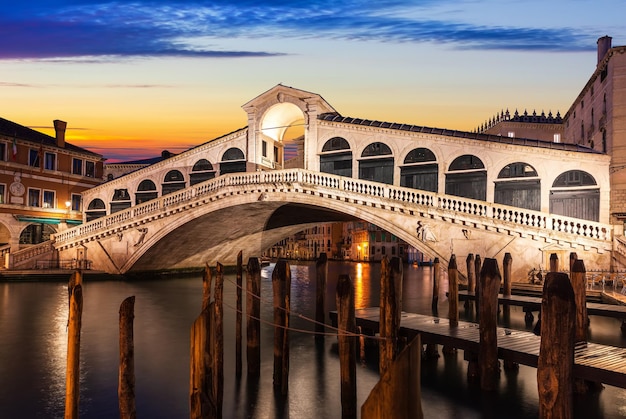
<point>364,188</point>
<point>31,252</point>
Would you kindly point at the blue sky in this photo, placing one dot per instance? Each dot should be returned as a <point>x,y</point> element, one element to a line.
<point>132,78</point>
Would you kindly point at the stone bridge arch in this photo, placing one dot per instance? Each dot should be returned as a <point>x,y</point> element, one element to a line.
<point>212,221</point>
<point>208,234</point>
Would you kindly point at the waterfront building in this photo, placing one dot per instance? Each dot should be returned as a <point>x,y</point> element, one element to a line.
<point>597,119</point>
<point>42,179</point>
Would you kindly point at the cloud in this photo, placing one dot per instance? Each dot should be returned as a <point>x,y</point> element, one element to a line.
<point>11,84</point>
<point>75,29</point>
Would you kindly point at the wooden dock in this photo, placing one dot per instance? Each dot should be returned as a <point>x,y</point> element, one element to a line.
<point>592,362</point>
<point>530,304</point>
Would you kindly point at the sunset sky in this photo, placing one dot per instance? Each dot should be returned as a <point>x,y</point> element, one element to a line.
<point>134,78</point>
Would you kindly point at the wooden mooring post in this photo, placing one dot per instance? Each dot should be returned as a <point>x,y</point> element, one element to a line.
<point>436,282</point>
<point>397,280</point>
<point>238,314</point>
<point>218,344</point>
<point>389,325</point>
<point>477,269</point>
<point>507,262</point>
<point>207,279</point>
<point>432,351</point>
<point>397,395</point>
<point>201,398</point>
<point>72,376</point>
<point>578,278</point>
<point>579,285</point>
<point>556,353</point>
<point>126,376</point>
<point>471,285</point>
<point>572,259</point>
<point>321,273</point>
<point>554,262</point>
<point>253,317</point>
<point>453,298</point>
<point>453,292</point>
<point>507,286</point>
<point>281,286</point>
<point>488,363</point>
<point>346,324</point>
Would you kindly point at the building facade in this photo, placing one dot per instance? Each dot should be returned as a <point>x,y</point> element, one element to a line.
<point>42,179</point>
<point>597,119</point>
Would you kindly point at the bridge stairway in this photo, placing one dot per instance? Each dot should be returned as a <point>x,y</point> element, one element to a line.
<point>593,362</point>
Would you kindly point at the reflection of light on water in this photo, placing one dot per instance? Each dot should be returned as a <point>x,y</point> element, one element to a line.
<point>300,274</point>
<point>359,288</point>
<point>56,353</point>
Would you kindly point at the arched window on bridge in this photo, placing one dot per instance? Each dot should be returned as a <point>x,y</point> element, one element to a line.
<point>201,171</point>
<point>233,161</point>
<point>419,171</point>
<point>173,181</point>
<point>374,165</point>
<point>467,178</point>
<point>575,194</point>
<point>36,233</point>
<point>518,185</point>
<point>120,200</point>
<point>96,209</point>
<point>336,157</point>
<point>146,191</point>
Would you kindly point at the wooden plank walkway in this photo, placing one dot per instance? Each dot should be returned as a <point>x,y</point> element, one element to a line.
<point>593,362</point>
<point>531,304</point>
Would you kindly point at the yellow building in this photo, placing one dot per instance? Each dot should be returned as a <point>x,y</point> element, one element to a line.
<point>41,181</point>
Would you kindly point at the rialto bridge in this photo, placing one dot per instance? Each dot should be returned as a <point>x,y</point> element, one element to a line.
<point>299,163</point>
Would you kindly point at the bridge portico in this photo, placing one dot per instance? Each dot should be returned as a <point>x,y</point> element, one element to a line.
<point>472,187</point>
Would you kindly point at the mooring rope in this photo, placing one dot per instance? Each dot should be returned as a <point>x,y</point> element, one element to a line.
<point>338,331</point>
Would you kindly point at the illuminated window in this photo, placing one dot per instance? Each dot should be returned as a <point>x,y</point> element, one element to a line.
<point>557,138</point>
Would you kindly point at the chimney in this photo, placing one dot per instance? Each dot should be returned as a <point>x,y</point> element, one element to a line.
<point>604,45</point>
<point>59,128</point>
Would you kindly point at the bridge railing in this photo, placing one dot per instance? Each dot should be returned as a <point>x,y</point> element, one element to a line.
<point>30,252</point>
<point>367,190</point>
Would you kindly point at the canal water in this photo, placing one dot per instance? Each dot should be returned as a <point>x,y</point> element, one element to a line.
<point>33,341</point>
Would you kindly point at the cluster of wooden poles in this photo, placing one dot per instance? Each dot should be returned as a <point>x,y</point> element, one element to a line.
<point>206,387</point>
<point>563,323</point>
<point>397,395</point>
<point>207,342</point>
